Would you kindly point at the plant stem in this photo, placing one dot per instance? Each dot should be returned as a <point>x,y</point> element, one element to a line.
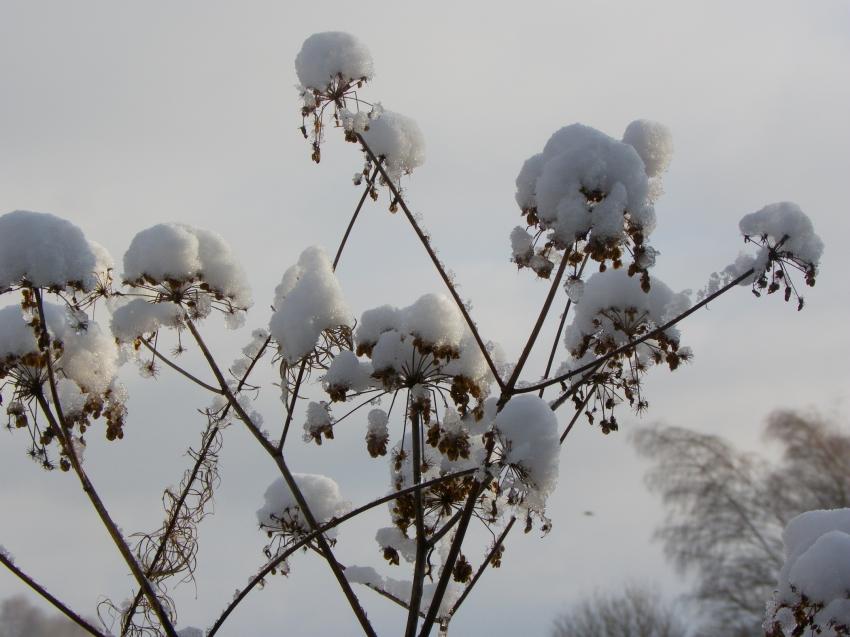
<point>369,184</point>
<point>179,369</point>
<point>421,542</point>
<point>38,588</point>
<point>67,445</point>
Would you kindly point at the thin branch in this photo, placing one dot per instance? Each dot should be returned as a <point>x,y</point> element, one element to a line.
<point>484,565</point>
<point>60,428</point>
<point>541,317</point>
<point>38,588</point>
<point>369,184</point>
<point>179,369</point>
<point>645,337</point>
<point>439,266</point>
<point>575,417</point>
<point>290,411</point>
<point>273,564</point>
<point>560,330</point>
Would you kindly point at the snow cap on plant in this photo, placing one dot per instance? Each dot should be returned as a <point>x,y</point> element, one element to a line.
<point>588,187</point>
<point>192,267</point>
<point>527,431</point>
<point>42,250</point>
<point>332,58</point>
<point>281,515</point>
<point>308,303</point>
<point>813,592</point>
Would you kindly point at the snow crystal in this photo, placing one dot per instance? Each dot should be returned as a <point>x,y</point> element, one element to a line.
<point>321,493</point>
<point>307,301</point>
<point>653,142</point>
<point>324,57</point>
<point>584,182</point>
<point>46,251</point>
<point>175,252</point>
<point>528,430</point>
<point>140,317</point>
<point>399,140</point>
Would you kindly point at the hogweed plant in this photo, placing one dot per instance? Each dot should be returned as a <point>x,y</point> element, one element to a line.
<point>469,443</point>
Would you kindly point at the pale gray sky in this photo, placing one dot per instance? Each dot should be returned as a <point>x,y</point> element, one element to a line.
<point>120,115</point>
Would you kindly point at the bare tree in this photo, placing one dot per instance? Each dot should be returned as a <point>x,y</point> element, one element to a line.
<point>638,611</point>
<point>727,509</point>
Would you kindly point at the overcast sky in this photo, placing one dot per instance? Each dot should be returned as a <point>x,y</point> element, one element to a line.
<point>119,115</point>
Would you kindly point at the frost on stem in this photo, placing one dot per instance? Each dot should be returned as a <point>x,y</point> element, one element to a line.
<point>591,194</point>
<point>787,246</point>
<point>282,518</point>
<point>613,312</point>
<point>190,267</point>
<point>813,592</point>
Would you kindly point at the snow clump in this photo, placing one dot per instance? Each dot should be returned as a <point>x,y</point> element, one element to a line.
<point>307,302</point>
<point>41,250</point>
<point>653,142</point>
<point>188,262</point>
<point>587,185</point>
<point>281,513</point>
<point>813,590</point>
<point>139,317</point>
<point>614,310</point>
<point>332,56</point>
<point>399,140</point>
<point>528,431</point>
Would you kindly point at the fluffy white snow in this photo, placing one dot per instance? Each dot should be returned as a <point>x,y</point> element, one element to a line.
<point>583,183</point>
<point>347,372</point>
<point>138,317</point>
<point>605,298</point>
<point>785,219</point>
<point>176,252</point>
<point>528,430</point>
<point>816,572</point>
<point>46,251</point>
<point>399,140</point>
<point>281,510</point>
<point>392,537</point>
<point>324,57</point>
<point>653,142</point>
<point>307,301</point>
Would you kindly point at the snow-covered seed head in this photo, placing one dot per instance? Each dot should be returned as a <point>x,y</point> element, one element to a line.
<point>590,194</point>
<point>526,430</point>
<point>787,244</point>
<point>331,60</point>
<point>308,303</point>
<point>281,515</point>
<point>612,312</point>
<point>42,250</point>
<point>190,267</point>
<point>85,363</point>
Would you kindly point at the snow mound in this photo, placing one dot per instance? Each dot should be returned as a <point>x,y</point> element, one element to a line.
<point>329,56</point>
<point>399,140</point>
<point>280,511</point>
